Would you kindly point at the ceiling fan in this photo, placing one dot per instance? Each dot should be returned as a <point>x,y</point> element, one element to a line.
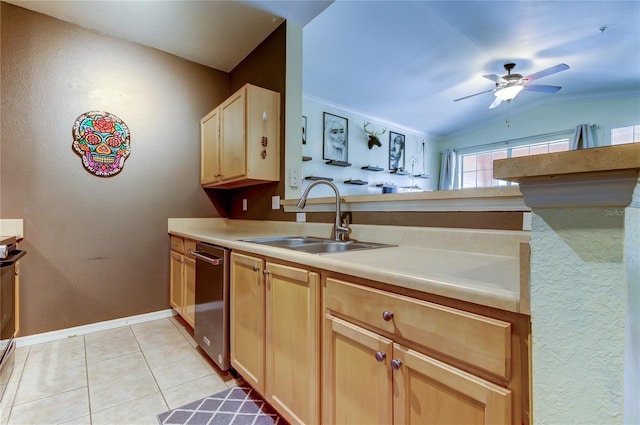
<point>510,85</point>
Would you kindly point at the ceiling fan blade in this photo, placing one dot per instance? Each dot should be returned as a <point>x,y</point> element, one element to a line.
<point>548,71</point>
<point>471,95</point>
<point>495,103</point>
<point>541,88</point>
<point>495,78</point>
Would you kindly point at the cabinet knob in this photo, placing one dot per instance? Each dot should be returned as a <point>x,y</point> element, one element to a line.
<point>395,364</point>
<point>387,315</point>
<point>256,268</point>
<point>380,356</point>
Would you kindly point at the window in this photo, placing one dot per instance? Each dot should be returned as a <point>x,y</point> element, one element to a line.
<point>476,169</point>
<point>622,135</point>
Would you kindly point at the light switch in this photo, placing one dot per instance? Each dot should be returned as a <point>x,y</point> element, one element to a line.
<point>294,177</point>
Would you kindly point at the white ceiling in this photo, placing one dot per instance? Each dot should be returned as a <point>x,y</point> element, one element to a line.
<point>400,62</point>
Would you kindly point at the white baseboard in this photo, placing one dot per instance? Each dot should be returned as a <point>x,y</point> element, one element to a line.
<point>93,327</point>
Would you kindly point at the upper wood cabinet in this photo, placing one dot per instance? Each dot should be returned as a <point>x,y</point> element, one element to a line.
<point>240,140</point>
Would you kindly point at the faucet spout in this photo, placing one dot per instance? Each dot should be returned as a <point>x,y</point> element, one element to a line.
<point>341,233</point>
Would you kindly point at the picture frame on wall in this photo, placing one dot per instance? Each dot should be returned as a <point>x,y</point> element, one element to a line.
<point>335,142</point>
<point>304,130</point>
<point>396,151</point>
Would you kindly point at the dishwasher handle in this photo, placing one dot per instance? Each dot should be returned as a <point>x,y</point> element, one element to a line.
<point>208,258</point>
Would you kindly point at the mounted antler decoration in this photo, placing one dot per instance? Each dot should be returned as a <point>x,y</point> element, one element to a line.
<point>373,136</point>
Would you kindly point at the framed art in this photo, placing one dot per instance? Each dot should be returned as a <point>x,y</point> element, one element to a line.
<point>304,130</point>
<point>336,138</point>
<point>396,151</point>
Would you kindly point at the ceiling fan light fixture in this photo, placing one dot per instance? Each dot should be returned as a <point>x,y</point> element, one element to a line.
<point>508,93</point>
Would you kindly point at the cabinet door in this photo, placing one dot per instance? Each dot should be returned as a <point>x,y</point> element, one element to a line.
<point>175,284</point>
<point>427,391</point>
<point>189,294</point>
<point>210,147</point>
<point>233,137</point>
<point>293,343</point>
<point>247,319</point>
<point>357,385</point>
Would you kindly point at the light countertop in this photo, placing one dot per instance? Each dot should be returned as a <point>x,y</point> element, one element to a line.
<point>479,266</point>
<point>12,227</point>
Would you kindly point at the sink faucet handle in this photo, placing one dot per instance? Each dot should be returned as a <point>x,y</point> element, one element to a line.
<point>343,232</point>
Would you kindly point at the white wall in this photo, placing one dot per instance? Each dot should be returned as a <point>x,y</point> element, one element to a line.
<point>578,313</point>
<point>605,113</point>
<point>632,325</point>
<point>359,154</point>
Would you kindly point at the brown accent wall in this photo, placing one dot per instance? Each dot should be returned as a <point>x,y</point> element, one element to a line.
<point>97,248</point>
<point>264,67</point>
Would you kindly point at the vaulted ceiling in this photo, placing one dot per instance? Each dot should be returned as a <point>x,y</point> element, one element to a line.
<point>401,62</point>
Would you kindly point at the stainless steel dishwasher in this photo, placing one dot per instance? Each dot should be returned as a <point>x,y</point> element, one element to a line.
<point>212,301</point>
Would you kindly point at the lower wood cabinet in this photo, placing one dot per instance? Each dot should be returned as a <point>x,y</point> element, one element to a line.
<point>275,334</point>
<point>392,359</point>
<point>386,358</point>
<point>247,320</point>
<point>182,285</point>
<point>369,379</point>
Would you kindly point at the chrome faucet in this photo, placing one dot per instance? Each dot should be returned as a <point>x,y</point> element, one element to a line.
<point>341,230</point>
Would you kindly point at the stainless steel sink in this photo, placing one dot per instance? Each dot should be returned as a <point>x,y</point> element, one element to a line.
<point>331,246</point>
<point>316,245</point>
<point>286,241</point>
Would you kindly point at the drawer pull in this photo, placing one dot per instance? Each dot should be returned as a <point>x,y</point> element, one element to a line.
<point>380,356</point>
<point>395,364</point>
<point>387,315</point>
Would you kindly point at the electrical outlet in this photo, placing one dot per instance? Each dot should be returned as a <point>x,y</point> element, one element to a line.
<point>301,216</point>
<point>244,204</point>
<point>275,202</point>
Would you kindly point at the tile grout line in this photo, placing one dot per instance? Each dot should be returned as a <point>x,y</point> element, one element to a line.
<point>86,365</point>
<point>15,394</point>
<point>146,362</point>
<point>28,356</point>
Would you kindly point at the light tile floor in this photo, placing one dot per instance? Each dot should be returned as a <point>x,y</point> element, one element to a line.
<point>126,375</point>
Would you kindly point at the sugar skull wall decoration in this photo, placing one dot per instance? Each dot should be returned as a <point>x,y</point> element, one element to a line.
<point>102,141</point>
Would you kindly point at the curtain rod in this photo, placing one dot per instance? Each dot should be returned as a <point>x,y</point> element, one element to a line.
<point>520,139</point>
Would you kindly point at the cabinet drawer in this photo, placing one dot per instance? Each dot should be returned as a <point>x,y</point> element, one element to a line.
<point>189,247</point>
<point>177,244</point>
<point>479,341</point>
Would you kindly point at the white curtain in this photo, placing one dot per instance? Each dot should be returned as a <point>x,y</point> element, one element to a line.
<point>582,138</point>
<point>447,169</point>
